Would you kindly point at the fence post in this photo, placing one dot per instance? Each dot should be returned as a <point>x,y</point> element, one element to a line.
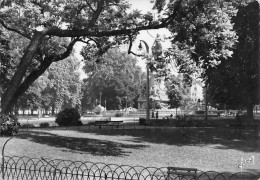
<point>3,156</point>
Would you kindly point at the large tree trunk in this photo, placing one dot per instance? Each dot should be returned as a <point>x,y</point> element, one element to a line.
<point>8,99</point>
<point>29,80</point>
<point>19,84</point>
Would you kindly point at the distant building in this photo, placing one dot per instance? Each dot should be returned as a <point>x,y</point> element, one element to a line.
<point>194,92</point>
<point>158,92</point>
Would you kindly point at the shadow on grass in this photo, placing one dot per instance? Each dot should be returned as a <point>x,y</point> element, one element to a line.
<point>82,145</point>
<point>220,138</point>
<point>228,175</point>
<point>254,171</point>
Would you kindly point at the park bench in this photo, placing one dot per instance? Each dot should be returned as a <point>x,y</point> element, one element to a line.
<point>110,123</point>
<point>181,173</point>
<point>107,123</point>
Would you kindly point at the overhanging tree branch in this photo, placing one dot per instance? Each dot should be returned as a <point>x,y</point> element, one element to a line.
<point>89,5</point>
<point>130,47</point>
<point>17,78</point>
<point>92,39</point>
<point>20,82</point>
<point>45,64</point>
<point>96,14</point>
<point>14,30</point>
<point>80,8</point>
<point>55,31</point>
<point>67,52</point>
<point>35,74</point>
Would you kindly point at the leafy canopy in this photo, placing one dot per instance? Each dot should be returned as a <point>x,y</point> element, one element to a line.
<point>103,24</point>
<point>234,81</point>
<point>116,76</point>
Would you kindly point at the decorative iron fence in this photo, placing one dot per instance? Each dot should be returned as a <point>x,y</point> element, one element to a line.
<point>24,168</point>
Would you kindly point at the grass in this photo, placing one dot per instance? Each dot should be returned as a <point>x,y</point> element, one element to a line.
<point>216,149</point>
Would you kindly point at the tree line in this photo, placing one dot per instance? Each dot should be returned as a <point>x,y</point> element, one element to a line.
<point>117,79</point>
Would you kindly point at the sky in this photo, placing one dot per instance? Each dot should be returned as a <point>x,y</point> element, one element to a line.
<point>148,36</point>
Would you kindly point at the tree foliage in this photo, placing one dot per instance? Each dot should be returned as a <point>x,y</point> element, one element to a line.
<point>63,88</point>
<point>234,82</point>
<point>41,23</point>
<point>58,88</point>
<point>204,36</point>
<point>176,92</point>
<point>6,65</point>
<point>101,24</point>
<point>175,96</point>
<point>68,117</point>
<point>116,76</point>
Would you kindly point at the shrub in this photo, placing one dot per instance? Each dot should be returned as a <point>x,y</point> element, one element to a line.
<point>9,125</point>
<point>44,125</point>
<point>27,125</point>
<point>68,117</point>
<point>119,114</point>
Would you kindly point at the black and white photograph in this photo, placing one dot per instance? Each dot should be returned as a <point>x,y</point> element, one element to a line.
<point>130,89</point>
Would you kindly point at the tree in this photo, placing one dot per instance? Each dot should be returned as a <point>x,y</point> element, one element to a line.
<point>204,36</point>
<point>106,23</point>
<point>175,90</point>
<point>63,88</point>
<point>31,99</point>
<point>116,76</point>
<point>234,82</point>
<point>42,22</point>
<point>172,90</point>
<point>58,88</point>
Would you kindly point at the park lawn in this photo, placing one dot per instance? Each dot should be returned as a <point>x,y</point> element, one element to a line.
<point>205,148</point>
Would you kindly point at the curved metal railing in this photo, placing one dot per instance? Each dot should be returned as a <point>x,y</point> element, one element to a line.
<point>25,168</point>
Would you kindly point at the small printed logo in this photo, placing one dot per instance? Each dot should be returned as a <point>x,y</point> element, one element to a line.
<point>247,161</point>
